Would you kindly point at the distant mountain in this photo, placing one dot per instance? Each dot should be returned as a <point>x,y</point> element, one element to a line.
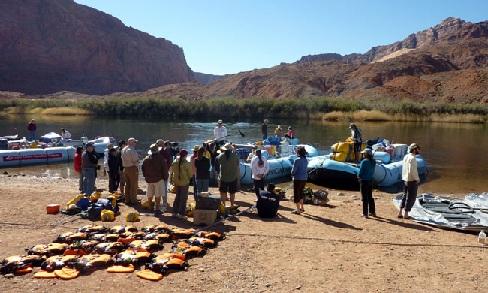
<point>447,62</point>
<point>205,78</point>
<point>58,45</point>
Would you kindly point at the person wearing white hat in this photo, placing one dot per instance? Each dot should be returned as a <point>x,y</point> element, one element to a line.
<point>365,176</point>
<point>411,178</point>
<point>220,132</point>
<point>130,162</point>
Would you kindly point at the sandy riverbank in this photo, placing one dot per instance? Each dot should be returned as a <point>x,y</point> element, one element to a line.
<point>327,249</point>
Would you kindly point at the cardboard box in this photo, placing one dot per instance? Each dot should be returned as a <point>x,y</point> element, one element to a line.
<point>204,217</point>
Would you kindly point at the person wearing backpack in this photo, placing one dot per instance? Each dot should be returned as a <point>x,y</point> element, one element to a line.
<point>154,168</point>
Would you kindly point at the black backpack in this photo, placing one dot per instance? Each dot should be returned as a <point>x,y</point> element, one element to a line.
<point>268,204</point>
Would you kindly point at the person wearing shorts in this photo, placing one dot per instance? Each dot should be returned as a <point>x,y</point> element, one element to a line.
<point>229,173</point>
<point>154,169</point>
<point>300,175</point>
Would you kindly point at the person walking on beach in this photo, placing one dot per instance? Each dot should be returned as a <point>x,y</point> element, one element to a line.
<point>130,162</point>
<point>114,164</point>
<point>357,139</point>
<point>31,128</point>
<point>259,170</point>
<point>229,173</point>
<point>181,173</point>
<point>77,165</point>
<point>411,178</point>
<point>89,163</point>
<point>365,176</point>
<point>220,133</point>
<point>154,170</point>
<point>300,176</point>
<point>264,129</point>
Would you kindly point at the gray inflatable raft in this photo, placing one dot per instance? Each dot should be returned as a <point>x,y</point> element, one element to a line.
<point>447,212</point>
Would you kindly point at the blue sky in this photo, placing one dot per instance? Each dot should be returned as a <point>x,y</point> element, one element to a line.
<point>228,36</point>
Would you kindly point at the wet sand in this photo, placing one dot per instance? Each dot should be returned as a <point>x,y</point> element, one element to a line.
<point>326,249</point>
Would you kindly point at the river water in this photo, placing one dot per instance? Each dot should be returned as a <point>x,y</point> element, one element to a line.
<point>457,153</point>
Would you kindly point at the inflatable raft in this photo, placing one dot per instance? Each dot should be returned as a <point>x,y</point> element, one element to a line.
<point>27,157</point>
<point>342,175</point>
<point>279,168</point>
<point>447,212</point>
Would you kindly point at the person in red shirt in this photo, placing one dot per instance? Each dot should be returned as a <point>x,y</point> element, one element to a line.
<point>291,133</point>
<point>77,165</point>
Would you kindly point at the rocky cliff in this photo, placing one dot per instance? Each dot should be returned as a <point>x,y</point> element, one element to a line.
<point>448,62</point>
<point>58,45</point>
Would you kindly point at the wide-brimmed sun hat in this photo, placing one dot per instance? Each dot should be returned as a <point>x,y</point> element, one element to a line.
<point>227,146</point>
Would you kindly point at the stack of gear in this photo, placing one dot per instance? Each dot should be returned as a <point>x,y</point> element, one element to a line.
<point>343,151</point>
<point>119,249</point>
<point>319,197</point>
<point>95,207</point>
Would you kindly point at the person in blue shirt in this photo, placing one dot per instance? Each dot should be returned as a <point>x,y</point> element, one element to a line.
<point>365,176</point>
<point>300,175</point>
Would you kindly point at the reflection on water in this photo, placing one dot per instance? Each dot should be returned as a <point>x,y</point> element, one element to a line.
<point>455,152</point>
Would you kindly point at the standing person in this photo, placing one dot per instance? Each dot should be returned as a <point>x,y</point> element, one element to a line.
<point>411,178</point>
<point>180,177</point>
<point>202,172</point>
<point>165,152</point>
<point>31,128</point>
<point>300,175</point>
<point>130,162</point>
<point>264,129</point>
<point>357,139</point>
<point>220,133</point>
<point>114,164</point>
<point>365,176</point>
<point>194,169</point>
<point>121,145</point>
<point>77,165</point>
<point>105,158</point>
<point>279,132</point>
<point>154,169</point>
<point>89,163</point>
<point>259,170</point>
<point>229,173</point>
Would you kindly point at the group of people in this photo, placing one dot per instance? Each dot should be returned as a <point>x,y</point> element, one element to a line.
<point>278,131</point>
<point>162,167</point>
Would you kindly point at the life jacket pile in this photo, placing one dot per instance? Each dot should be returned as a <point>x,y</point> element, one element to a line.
<point>118,249</point>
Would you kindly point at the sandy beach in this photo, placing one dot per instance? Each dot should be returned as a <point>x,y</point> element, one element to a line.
<point>326,249</point>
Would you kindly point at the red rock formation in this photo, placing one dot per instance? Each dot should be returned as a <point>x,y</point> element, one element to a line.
<point>54,45</point>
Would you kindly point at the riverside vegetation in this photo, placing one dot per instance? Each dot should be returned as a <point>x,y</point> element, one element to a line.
<point>325,108</point>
